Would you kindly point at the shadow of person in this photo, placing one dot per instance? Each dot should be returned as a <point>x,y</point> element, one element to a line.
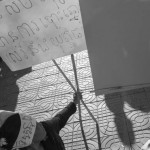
<point>136,100</point>
<point>9,89</point>
<point>123,124</point>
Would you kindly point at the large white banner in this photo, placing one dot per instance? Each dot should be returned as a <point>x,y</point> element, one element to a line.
<point>34,31</point>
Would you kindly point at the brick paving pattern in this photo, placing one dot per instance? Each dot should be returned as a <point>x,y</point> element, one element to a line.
<point>42,91</point>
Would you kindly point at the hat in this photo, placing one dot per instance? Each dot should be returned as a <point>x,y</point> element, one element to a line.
<point>16,130</point>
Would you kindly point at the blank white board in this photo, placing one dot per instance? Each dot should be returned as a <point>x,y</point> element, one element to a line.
<point>118,41</point>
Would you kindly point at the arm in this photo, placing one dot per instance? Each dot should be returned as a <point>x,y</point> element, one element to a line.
<point>69,110</point>
<point>60,120</point>
<point>65,114</point>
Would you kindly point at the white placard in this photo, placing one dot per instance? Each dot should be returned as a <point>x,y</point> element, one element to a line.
<point>34,31</point>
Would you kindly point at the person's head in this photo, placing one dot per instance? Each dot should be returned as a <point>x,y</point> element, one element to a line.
<point>19,130</point>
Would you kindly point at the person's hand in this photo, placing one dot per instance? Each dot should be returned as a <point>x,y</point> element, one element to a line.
<point>146,146</point>
<point>77,97</point>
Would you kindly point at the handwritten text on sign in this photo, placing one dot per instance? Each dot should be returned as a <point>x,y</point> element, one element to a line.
<point>34,31</point>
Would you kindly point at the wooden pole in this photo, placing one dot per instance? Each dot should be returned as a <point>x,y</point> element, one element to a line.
<point>78,90</point>
<point>80,117</point>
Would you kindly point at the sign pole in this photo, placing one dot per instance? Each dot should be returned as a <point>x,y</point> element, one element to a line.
<point>80,117</point>
<point>78,90</point>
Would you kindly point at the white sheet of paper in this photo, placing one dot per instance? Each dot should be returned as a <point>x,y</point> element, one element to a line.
<point>34,31</point>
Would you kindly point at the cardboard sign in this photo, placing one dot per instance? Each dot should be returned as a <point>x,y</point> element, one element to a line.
<point>34,31</point>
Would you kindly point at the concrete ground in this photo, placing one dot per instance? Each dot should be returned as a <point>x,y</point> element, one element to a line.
<point>41,91</point>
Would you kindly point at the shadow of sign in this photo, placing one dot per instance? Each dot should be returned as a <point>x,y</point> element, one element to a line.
<point>9,89</point>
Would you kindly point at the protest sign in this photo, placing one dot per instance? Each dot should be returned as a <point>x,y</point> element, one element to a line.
<point>35,31</point>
